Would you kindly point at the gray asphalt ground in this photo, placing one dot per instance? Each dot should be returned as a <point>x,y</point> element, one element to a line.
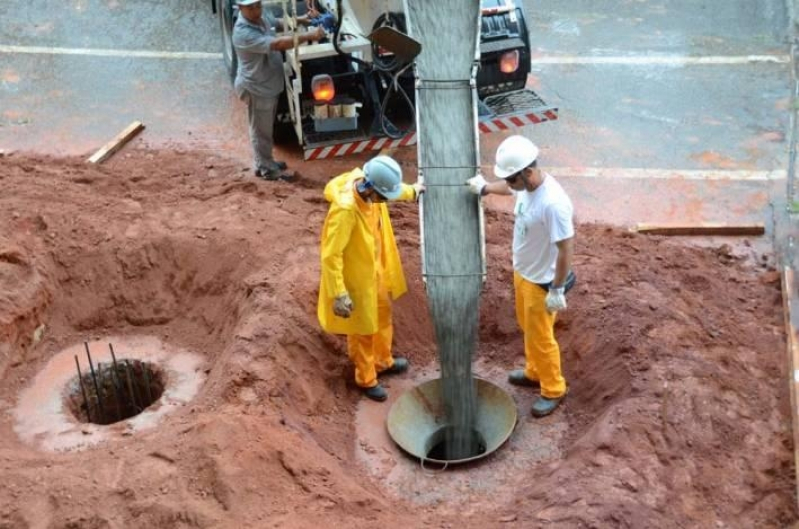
<point>629,114</point>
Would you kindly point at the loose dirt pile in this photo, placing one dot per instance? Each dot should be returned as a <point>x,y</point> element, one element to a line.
<point>678,414</point>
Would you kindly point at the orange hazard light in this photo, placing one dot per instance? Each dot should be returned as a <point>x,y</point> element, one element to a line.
<point>509,62</point>
<point>322,87</point>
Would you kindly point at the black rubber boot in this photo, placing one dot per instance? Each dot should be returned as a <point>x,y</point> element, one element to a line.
<point>518,378</point>
<point>377,393</point>
<point>275,176</point>
<point>400,366</point>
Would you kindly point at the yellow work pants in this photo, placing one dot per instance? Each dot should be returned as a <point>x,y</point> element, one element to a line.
<point>372,353</point>
<point>541,351</point>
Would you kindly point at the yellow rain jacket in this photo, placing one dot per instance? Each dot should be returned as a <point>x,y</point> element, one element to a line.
<point>352,239</point>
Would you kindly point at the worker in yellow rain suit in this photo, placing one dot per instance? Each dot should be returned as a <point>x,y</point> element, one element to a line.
<point>543,245</point>
<point>361,268</point>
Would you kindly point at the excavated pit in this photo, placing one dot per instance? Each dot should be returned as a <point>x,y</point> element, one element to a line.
<point>676,415</point>
<point>156,380</point>
<point>124,389</point>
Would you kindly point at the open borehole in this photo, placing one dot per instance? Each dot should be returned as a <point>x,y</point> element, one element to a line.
<point>114,391</point>
<point>453,444</point>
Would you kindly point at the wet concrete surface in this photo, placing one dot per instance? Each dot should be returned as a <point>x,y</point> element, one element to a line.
<point>732,117</point>
<point>679,116</point>
<point>686,27</point>
<point>74,104</point>
<point>693,117</point>
<point>173,25</point>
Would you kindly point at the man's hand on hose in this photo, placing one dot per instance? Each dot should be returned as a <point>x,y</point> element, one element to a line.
<point>556,299</point>
<point>318,33</point>
<point>342,306</point>
<point>477,184</point>
<point>418,189</point>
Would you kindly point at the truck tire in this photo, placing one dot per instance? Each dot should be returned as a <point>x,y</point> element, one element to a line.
<point>226,21</point>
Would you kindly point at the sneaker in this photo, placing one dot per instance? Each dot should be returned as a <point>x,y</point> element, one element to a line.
<point>377,393</point>
<point>518,378</point>
<point>280,166</point>
<point>544,405</point>
<point>400,366</point>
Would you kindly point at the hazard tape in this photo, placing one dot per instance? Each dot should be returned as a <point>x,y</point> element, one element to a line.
<point>376,144</point>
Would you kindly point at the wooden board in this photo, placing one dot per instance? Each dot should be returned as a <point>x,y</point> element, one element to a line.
<point>709,228</point>
<point>117,143</point>
<point>788,302</point>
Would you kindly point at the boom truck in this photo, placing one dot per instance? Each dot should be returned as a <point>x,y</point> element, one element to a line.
<point>354,92</point>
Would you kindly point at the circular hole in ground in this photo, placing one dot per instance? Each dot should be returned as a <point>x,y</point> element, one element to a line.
<point>450,443</point>
<point>114,391</point>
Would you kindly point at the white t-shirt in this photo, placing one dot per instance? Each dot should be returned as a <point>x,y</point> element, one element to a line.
<point>543,217</point>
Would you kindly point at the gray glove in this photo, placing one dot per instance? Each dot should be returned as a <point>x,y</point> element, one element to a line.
<point>556,299</point>
<point>342,306</point>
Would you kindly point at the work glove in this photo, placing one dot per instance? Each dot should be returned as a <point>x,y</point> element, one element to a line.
<point>342,306</point>
<point>556,299</point>
<point>477,184</point>
<point>418,189</point>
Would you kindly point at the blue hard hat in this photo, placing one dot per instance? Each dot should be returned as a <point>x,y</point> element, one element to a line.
<point>385,175</point>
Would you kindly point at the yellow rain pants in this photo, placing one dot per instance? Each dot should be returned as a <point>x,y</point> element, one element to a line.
<point>541,350</point>
<point>372,353</point>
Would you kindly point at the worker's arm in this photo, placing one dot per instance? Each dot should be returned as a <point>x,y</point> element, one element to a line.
<point>411,192</point>
<point>564,261</point>
<point>558,219</point>
<point>287,42</point>
<point>259,43</point>
<point>500,187</point>
<point>480,186</point>
<point>337,236</point>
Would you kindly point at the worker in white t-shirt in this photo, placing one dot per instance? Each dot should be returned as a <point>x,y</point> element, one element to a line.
<point>543,244</point>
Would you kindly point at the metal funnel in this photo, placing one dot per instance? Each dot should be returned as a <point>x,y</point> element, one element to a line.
<point>416,421</point>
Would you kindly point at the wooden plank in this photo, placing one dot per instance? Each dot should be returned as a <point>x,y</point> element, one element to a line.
<point>709,228</point>
<point>117,143</point>
<point>788,302</point>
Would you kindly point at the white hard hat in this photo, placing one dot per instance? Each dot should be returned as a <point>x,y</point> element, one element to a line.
<point>514,154</point>
<point>385,175</point>
<point>247,2</point>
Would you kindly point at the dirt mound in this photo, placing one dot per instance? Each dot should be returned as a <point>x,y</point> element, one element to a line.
<point>677,413</point>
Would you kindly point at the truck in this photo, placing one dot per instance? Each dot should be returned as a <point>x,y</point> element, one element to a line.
<point>353,92</point>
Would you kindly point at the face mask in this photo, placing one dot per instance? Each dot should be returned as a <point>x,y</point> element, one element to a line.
<point>364,186</point>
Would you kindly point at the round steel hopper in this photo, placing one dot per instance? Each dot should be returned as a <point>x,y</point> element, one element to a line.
<point>416,421</point>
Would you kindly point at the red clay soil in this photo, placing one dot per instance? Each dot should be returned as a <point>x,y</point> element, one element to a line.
<point>678,414</point>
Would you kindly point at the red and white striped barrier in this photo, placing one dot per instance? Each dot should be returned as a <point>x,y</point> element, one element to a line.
<point>511,122</point>
<point>354,147</point>
<point>376,144</point>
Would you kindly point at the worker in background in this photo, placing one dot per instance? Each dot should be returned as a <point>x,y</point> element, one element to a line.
<point>543,245</point>
<point>259,79</point>
<point>361,268</point>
